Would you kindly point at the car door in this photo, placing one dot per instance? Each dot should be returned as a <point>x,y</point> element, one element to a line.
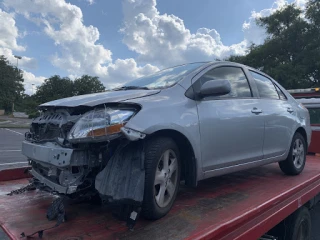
<point>280,117</point>
<point>231,126</point>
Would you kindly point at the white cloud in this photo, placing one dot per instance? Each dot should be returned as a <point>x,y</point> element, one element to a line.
<point>256,34</point>
<point>24,62</point>
<point>8,42</point>
<point>80,52</point>
<point>91,2</point>
<point>164,40</point>
<point>159,39</point>
<point>31,82</point>
<point>63,22</point>
<point>9,32</point>
<point>301,3</point>
<point>118,71</point>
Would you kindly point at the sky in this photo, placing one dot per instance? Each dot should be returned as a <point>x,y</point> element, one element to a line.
<point>119,40</point>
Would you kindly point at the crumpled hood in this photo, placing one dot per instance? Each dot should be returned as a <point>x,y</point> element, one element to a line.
<point>95,99</point>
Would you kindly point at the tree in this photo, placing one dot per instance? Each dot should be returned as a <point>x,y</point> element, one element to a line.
<point>28,104</point>
<point>11,84</point>
<point>291,52</point>
<point>87,84</point>
<point>54,88</point>
<point>57,87</point>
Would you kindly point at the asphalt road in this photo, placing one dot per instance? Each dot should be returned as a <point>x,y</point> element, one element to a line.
<point>10,148</point>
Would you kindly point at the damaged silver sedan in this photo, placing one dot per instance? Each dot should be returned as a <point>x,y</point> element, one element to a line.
<point>135,144</point>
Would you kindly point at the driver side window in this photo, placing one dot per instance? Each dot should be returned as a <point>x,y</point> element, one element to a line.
<point>239,84</point>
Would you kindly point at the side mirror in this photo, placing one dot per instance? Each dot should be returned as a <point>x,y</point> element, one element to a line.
<point>215,88</point>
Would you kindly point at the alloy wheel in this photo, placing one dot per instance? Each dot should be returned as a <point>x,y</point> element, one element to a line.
<point>165,182</point>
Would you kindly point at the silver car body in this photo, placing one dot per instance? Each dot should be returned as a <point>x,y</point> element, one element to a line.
<point>226,135</point>
<point>311,104</point>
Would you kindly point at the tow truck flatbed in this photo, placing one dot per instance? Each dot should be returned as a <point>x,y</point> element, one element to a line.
<point>243,205</point>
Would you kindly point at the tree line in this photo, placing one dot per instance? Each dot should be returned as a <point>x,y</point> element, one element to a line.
<point>291,52</point>
<point>11,84</point>
<point>55,87</point>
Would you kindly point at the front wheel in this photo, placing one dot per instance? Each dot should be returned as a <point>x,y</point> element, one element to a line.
<point>162,166</point>
<point>294,164</point>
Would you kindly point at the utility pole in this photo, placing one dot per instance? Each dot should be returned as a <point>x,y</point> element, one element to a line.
<point>17,57</point>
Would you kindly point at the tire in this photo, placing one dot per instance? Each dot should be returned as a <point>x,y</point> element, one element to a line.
<point>298,225</point>
<point>296,160</point>
<point>159,195</point>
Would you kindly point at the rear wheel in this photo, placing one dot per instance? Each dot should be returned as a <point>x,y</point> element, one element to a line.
<point>294,164</point>
<point>162,166</point>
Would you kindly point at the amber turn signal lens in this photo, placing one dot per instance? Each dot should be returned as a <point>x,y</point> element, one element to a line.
<point>115,128</point>
<point>106,131</point>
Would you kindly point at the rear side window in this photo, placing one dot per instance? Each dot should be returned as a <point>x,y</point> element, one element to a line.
<point>239,84</point>
<point>281,94</point>
<point>265,86</point>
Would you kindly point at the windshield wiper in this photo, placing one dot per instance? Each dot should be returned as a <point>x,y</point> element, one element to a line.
<point>130,88</point>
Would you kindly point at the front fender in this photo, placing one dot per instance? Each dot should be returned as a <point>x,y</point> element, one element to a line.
<point>170,110</point>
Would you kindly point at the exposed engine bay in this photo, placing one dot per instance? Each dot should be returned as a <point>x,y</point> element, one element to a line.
<point>69,147</point>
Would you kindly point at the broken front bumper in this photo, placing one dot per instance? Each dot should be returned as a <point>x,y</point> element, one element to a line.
<point>48,153</point>
<point>60,169</point>
<point>121,178</point>
<point>53,186</point>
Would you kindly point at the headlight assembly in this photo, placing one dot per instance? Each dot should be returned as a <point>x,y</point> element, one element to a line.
<point>99,124</point>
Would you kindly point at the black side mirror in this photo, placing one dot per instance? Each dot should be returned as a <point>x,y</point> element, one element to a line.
<point>215,88</point>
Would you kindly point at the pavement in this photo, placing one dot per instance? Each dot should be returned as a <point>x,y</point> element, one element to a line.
<point>10,148</point>
<point>11,122</point>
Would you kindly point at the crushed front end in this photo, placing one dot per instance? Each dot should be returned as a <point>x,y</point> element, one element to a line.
<point>68,147</point>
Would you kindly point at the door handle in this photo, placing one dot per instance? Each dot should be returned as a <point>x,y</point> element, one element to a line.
<point>256,111</point>
<point>290,110</point>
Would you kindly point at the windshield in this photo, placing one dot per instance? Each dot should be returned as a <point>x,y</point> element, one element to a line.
<point>165,78</point>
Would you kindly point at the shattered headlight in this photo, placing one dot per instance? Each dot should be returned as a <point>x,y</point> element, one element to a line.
<point>99,124</point>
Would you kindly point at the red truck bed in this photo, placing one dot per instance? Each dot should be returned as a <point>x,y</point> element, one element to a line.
<point>243,205</point>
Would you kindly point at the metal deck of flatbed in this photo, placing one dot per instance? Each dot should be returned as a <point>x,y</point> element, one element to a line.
<point>243,205</point>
